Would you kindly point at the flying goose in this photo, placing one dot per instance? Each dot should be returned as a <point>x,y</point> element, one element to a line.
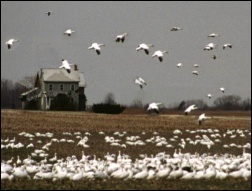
<point>179,65</point>
<point>213,35</point>
<point>10,42</point>
<point>96,47</point>
<point>69,32</point>
<point>195,72</point>
<point>49,13</point>
<point>190,108</point>
<point>66,65</point>
<point>209,96</point>
<point>154,107</point>
<point>202,118</point>
<point>222,89</point>
<point>159,54</point>
<point>214,56</point>
<point>121,37</point>
<point>140,81</point>
<point>176,28</point>
<point>227,45</point>
<point>144,47</point>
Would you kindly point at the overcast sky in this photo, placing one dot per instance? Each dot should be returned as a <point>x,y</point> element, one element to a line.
<point>42,44</point>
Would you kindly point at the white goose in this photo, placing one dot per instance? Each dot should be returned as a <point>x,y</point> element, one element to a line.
<point>140,81</point>
<point>222,89</point>
<point>159,54</point>
<point>96,47</point>
<point>190,108</point>
<point>10,42</point>
<point>121,37</point>
<point>195,72</point>
<point>179,65</point>
<point>69,32</point>
<point>144,47</point>
<point>227,45</point>
<point>202,118</point>
<point>176,29</point>
<point>209,96</point>
<point>213,35</point>
<point>49,13</point>
<point>66,65</point>
<point>154,107</point>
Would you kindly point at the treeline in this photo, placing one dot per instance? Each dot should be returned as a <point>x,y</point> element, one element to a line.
<point>10,93</point>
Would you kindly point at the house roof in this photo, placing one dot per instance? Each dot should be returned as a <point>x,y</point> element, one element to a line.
<point>61,75</point>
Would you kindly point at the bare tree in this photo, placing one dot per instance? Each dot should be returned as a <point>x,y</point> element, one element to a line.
<point>110,99</point>
<point>137,103</point>
<point>227,102</point>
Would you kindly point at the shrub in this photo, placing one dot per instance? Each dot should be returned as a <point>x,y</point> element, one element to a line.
<point>62,102</point>
<point>108,108</point>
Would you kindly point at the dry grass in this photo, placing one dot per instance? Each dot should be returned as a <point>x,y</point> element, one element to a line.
<point>134,123</point>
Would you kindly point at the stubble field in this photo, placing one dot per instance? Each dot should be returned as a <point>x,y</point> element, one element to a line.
<point>127,124</point>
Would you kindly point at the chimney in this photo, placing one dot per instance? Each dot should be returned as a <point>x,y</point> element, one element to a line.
<point>75,67</point>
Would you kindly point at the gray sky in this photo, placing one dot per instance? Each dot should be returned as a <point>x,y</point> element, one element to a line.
<point>43,45</point>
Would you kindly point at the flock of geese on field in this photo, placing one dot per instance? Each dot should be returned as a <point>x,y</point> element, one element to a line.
<point>178,165</point>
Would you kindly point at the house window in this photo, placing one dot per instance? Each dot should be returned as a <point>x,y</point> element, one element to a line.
<point>72,87</point>
<point>61,87</point>
<point>50,87</point>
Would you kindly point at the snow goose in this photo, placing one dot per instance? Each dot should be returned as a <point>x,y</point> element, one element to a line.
<point>10,42</point>
<point>176,29</point>
<point>227,45</point>
<point>69,32</point>
<point>214,56</point>
<point>202,118</point>
<point>96,47</point>
<point>66,65</point>
<point>144,47</point>
<point>210,46</point>
<point>190,108</point>
<point>213,35</point>
<point>49,13</point>
<point>195,72</point>
<point>121,37</point>
<point>159,54</point>
<point>222,89</point>
<point>179,65</point>
<point>154,107</point>
<point>209,96</point>
<point>140,81</point>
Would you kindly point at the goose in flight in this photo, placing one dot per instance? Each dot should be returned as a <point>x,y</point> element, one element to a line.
<point>144,47</point>
<point>66,65</point>
<point>69,32</point>
<point>10,42</point>
<point>140,81</point>
<point>214,56</point>
<point>227,45</point>
<point>159,54</point>
<point>154,107</point>
<point>195,72</point>
<point>209,96</point>
<point>49,13</point>
<point>179,65</point>
<point>176,29</point>
<point>190,108</point>
<point>196,65</point>
<point>222,89</point>
<point>121,37</point>
<point>202,118</point>
<point>96,47</point>
<point>213,35</point>
<point>210,46</point>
